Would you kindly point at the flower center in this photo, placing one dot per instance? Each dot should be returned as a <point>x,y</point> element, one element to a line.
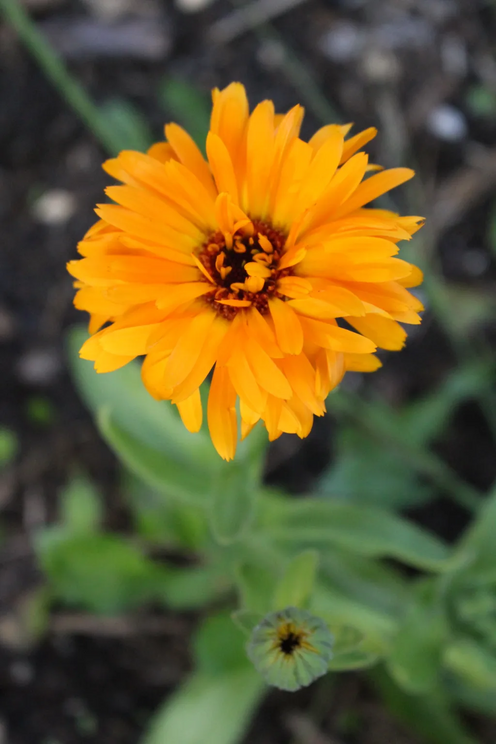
<point>243,268</point>
<point>290,638</point>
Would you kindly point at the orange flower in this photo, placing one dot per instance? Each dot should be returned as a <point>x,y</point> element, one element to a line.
<point>245,263</point>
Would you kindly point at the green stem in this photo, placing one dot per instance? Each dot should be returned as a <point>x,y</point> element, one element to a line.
<point>55,70</point>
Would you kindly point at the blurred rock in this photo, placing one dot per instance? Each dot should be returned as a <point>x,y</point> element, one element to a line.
<point>454,57</point>
<point>381,66</point>
<point>447,123</point>
<point>39,366</point>
<point>404,32</point>
<point>115,9</point>
<point>54,207</point>
<point>439,10</point>
<point>140,37</point>
<point>475,261</point>
<point>192,6</point>
<point>21,672</point>
<point>271,54</point>
<point>343,42</point>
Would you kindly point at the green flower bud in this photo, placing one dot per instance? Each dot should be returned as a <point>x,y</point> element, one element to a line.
<point>291,648</point>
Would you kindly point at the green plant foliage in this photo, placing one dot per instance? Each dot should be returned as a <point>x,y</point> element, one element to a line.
<point>80,507</point>
<point>429,640</point>
<point>256,584</point>
<point>102,573</point>
<point>158,470</point>
<point>471,661</point>
<point>129,126</point>
<point>368,531</point>
<point>369,473</point>
<point>296,585</point>
<point>430,716</point>
<point>8,446</point>
<point>232,505</point>
<point>218,646</point>
<point>208,708</point>
<point>414,659</point>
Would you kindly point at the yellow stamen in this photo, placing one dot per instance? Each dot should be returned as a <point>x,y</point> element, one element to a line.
<point>265,243</point>
<point>254,283</point>
<point>219,261</point>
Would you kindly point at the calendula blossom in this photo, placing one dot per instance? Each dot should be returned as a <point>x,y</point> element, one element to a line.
<point>248,263</point>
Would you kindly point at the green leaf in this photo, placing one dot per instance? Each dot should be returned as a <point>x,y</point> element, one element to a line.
<point>366,472</point>
<point>350,650</point>
<point>101,573</point>
<point>477,544</point>
<point>430,716</point>
<point>471,661</point>
<point>415,657</point>
<point>186,104</point>
<point>160,471</point>
<point>208,708</point>
<point>80,505</point>
<point>296,585</point>
<point>129,127</point>
<point>256,584</point>
<point>352,660</point>
<point>472,698</point>
<point>246,620</point>
<point>365,530</point>
<point>427,418</point>
<point>232,504</point>
<point>151,422</point>
<point>162,520</point>
<point>341,614</point>
<point>8,446</point>
<point>291,648</point>
<point>369,581</point>
<point>218,645</point>
<point>192,588</point>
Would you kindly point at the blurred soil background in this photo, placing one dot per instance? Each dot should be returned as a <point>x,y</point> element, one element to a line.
<point>424,73</point>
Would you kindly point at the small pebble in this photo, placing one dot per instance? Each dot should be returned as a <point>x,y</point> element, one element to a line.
<point>21,672</point>
<point>114,9</point>
<point>454,56</point>
<point>39,366</point>
<point>271,55</point>
<point>475,261</point>
<point>343,42</point>
<point>55,207</point>
<point>447,123</point>
<point>192,6</point>
<point>381,66</point>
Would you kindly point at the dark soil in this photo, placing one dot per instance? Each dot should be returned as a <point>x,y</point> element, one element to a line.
<point>391,63</point>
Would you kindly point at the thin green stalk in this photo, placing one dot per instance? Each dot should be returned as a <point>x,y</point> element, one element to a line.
<point>55,70</point>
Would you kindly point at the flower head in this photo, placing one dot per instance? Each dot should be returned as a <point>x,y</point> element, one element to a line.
<point>291,648</point>
<point>249,263</point>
